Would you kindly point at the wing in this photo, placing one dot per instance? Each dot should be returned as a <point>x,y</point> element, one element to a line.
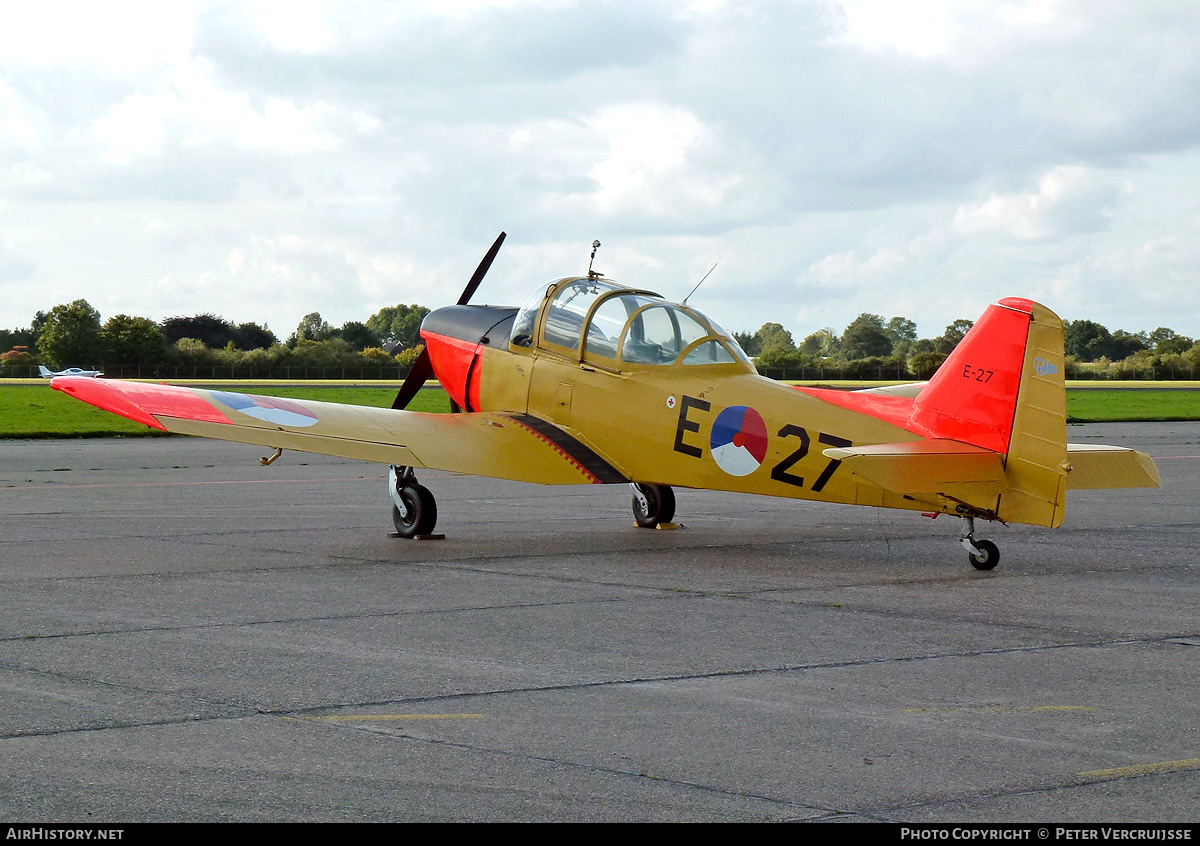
<point>504,446</point>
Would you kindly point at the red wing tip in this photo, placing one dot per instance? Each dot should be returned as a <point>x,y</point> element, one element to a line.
<point>1018,304</point>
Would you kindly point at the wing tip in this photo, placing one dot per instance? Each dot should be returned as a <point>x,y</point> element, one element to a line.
<point>106,395</point>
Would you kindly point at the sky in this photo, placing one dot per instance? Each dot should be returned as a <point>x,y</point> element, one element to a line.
<point>265,160</point>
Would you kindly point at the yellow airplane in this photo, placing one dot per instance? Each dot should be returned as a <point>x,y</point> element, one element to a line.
<point>592,382</point>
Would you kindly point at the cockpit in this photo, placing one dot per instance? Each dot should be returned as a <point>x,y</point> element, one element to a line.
<point>597,321</point>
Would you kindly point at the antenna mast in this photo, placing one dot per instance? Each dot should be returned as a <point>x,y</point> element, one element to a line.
<point>594,274</point>
<point>701,282</point>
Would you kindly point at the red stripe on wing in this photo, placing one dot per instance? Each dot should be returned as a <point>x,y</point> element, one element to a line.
<point>138,401</point>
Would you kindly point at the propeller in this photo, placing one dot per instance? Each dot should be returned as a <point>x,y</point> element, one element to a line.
<point>422,368</point>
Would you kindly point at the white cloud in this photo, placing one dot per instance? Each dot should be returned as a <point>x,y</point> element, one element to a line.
<point>921,28</point>
<point>848,269</point>
<point>186,108</point>
<point>126,37</point>
<point>651,166</point>
<point>909,159</point>
<point>17,121</point>
<point>1068,199</point>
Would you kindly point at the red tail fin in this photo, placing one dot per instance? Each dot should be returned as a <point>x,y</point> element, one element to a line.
<point>973,396</point>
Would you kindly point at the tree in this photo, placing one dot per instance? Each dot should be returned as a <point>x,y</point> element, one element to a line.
<point>408,357</point>
<point>1165,341</point>
<point>925,364</point>
<point>866,337</point>
<point>357,335</point>
<point>749,343</point>
<point>903,333</point>
<point>398,325</point>
<point>17,360</point>
<point>954,333</point>
<point>190,352</point>
<point>312,328</point>
<point>70,335</point>
<point>27,338</point>
<point>132,341</point>
<point>212,331</point>
<point>772,336</point>
<point>824,343</point>
<point>251,336</point>
<point>901,329</point>
<point>329,353</point>
<point>1124,344</point>
<point>1085,339</point>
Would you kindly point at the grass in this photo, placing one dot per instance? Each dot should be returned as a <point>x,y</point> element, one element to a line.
<point>35,411</point>
<point>1094,405</point>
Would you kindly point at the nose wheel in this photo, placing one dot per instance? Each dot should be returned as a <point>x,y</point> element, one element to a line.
<point>414,510</point>
<point>652,504</point>
<point>983,554</point>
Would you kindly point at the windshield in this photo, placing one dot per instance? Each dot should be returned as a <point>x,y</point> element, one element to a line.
<point>526,319</point>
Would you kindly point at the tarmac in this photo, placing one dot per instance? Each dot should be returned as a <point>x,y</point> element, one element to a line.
<point>187,635</point>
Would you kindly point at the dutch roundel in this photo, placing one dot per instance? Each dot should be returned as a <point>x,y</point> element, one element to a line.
<point>269,409</point>
<point>739,440</point>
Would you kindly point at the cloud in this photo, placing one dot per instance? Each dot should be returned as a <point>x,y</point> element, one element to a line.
<point>14,267</point>
<point>1068,199</point>
<point>187,110</point>
<point>835,157</point>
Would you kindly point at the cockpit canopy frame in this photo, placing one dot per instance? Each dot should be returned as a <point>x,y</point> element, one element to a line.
<point>614,327</point>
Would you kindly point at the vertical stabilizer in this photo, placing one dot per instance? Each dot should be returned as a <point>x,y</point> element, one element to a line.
<point>1002,389</point>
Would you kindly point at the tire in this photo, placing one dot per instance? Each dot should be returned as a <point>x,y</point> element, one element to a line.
<point>422,512</point>
<point>660,501</point>
<point>988,558</point>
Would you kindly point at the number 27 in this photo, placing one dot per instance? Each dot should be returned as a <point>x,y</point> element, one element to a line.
<point>780,471</point>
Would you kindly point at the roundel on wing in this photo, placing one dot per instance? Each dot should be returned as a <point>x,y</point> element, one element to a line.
<point>739,440</point>
<point>271,409</point>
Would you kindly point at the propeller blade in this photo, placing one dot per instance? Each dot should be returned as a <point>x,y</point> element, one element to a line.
<point>421,370</point>
<point>481,271</point>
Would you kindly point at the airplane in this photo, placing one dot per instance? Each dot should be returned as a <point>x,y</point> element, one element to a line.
<point>593,382</point>
<point>47,373</point>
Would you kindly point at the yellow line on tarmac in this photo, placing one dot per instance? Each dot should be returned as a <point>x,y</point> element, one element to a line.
<point>996,708</point>
<point>364,718</point>
<point>1141,769</point>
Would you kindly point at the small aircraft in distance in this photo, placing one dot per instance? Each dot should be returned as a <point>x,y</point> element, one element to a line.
<point>47,373</point>
<point>594,382</point>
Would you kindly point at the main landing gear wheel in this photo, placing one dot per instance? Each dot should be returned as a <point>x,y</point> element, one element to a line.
<point>652,504</point>
<point>988,557</point>
<point>414,510</point>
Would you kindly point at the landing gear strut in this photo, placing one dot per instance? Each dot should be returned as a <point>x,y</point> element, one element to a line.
<point>652,504</point>
<point>983,554</point>
<point>414,511</point>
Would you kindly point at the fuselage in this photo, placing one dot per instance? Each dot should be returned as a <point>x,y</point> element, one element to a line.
<point>658,390</point>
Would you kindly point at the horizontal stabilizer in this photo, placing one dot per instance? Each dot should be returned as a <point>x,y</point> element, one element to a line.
<point>1094,467</point>
<point>910,390</point>
<point>932,466</point>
